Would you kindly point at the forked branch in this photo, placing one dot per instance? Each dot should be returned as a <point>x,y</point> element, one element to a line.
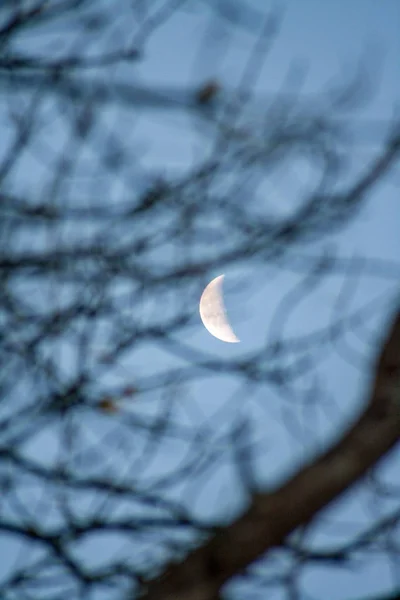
<point>273,516</point>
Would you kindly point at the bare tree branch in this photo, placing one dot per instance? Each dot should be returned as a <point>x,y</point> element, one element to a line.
<point>272,516</point>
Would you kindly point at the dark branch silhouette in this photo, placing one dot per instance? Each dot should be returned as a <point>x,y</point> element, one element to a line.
<point>129,453</point>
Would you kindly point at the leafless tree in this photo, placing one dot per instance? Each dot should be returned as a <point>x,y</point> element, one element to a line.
<point>105,448</point>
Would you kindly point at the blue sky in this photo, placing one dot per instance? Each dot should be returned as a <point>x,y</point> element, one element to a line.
<point>327,40</point>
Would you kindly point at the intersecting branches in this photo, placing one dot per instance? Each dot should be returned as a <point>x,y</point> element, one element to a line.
<point>103,443</point>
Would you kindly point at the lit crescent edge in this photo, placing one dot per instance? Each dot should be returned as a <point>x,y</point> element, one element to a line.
<point>213,314</point>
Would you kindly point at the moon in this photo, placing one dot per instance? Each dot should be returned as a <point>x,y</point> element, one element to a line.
<point>213,314</point>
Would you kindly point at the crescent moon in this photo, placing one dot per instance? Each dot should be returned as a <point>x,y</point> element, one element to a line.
<point>213,314</point>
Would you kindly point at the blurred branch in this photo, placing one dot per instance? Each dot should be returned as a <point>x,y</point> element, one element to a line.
<point>103,257</point>
<point>395,595</point>
<point>272,516</point>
